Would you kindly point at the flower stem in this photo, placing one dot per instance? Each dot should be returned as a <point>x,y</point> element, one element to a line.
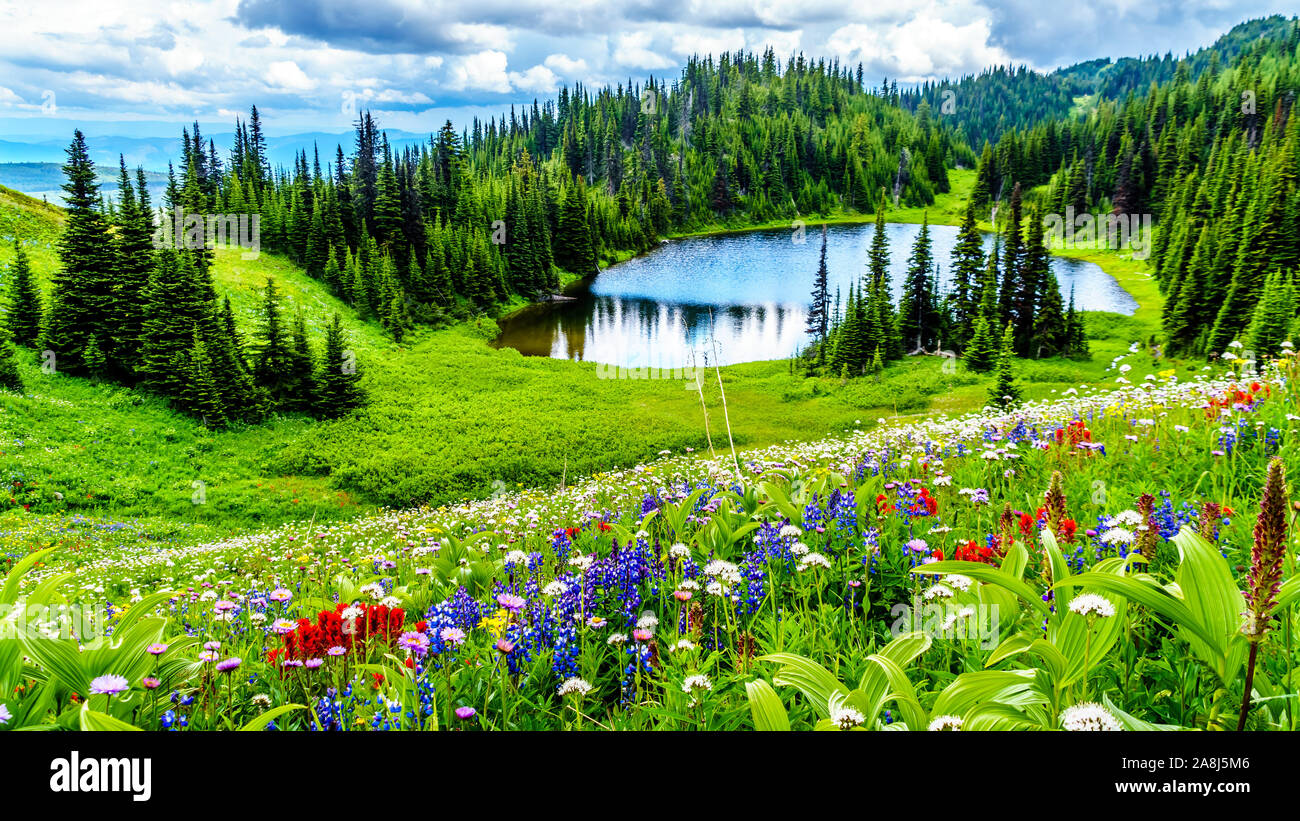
<point>1250,680</point>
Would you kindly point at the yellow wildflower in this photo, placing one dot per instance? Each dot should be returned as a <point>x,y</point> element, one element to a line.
<point>496,623</point>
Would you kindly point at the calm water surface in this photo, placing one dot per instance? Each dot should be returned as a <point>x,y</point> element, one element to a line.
<point>739,298</point>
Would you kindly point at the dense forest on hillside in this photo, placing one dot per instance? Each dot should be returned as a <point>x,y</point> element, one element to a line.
<point>982,106</point>
<point>1215,159</point>
<point>475,218</point>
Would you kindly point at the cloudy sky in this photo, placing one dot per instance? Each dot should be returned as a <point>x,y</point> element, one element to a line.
<point>309,64</point>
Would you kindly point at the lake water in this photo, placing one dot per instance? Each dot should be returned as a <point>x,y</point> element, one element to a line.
<point>737,298</point>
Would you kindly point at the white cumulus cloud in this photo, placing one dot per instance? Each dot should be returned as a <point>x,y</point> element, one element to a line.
<point>287,75</point>
<point>485,71</point>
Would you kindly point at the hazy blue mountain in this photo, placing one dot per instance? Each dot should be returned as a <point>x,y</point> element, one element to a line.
<point>153,153</point>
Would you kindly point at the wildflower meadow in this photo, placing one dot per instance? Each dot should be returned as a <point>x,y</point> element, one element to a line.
<point>1107,559</point>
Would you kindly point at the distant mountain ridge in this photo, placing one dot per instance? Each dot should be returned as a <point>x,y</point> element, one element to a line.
<point>45,180</point>
<point>153,153</point>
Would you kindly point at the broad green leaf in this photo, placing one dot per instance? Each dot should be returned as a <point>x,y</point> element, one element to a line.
<point>901,652</point>
<point>766,707</point>
<point>1052,657</point>
<point>988,574</point>
<point>1212,595</point>
<point>60,658</point>
<point>997,717</point>
<point>1007,603</point>
<point>1060,569</point>
<point>1015,560</point>
<point>1013,687</point>
<point>266,718</point>
<point>93,721</point>
<point>141,609</point>
<point>808,677</point>
<point>47,592</point>
<point>1289,593</point>
<point>9,593</point>
<point>1144,591</point>
<point>1132,723</point>
<point>1075,640</point>
<point>778,498</point>
<point>1012,646</point>
<point>901,691</point>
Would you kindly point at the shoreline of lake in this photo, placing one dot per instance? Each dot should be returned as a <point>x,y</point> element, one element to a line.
<point>665,307</point>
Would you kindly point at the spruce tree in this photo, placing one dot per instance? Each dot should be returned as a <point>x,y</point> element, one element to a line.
<point>199,395</point>
<point>521,266</point>
<point>397,319</point>
<point>273,363</point>
<point>917,313</point>
<point>878,256</point>
<point>819,308</point>
<point>332,276</point>
<point>234,382</point>
<point>1274,313</point>
<point>884,324</point>
<point>317,253</point>
<point>1034,277</point>
<point>174,306</point>
<point>357,294</point>
<point>135,261</point>
<point>1012,259</point>
<point>339,377</point>
<point>877,365</point>
<point>1190,309</point>
<point>10,379</point>
<point>1050,336</point>
<point>967,268</point>
<point>981,351</point>
<point>24,309</point>
<point>1075,333</point>
<point>83,303</point>
<point>302,368</point>
<point>573,243</point>
<point>1005,393</point>
<point>93,360</point>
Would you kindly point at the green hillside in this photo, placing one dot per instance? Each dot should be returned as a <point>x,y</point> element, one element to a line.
<point>33,223</point>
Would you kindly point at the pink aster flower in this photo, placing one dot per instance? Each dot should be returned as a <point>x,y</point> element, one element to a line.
<point>229,665</point>
<point>510,602</point>
<point>108,685</point>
